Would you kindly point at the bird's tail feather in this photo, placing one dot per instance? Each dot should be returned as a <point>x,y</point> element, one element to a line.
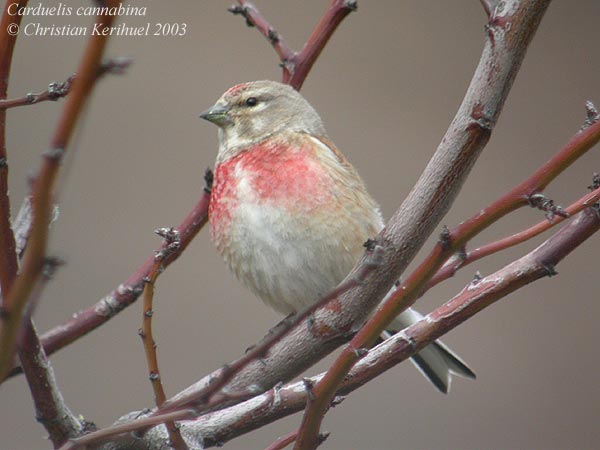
<point>436,361</point>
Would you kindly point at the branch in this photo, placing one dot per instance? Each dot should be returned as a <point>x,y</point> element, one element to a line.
<point>255,19</point>
<point>297,65</point>
<point>452,266</point>
<point>172,242</point>
<point>51,410</point>
<point>54,92</point>
<point>303,61</point>
<point>8,255</point>
<point>42,192</point>
<point>216,428</point>
<point>128,292</point>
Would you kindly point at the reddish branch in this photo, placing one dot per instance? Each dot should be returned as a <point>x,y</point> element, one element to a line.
<point>53,93</point>
<point>129,291</point>
<point>8,256</point>
<point>464,259</point>
<point>172,242</point>
<point>42,194</point>
<point>297,65</point>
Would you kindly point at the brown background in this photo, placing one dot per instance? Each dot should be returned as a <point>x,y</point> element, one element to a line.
<point>387,86</point>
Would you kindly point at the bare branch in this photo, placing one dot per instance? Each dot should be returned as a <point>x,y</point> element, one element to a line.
<point>128,292</point>
<point>218,427</point>
<point>54,92</point>
<point>172,241</point>
<point>42,193</point>
<point>8,254</point>
<point>296,66</point>
<point>255,19</point>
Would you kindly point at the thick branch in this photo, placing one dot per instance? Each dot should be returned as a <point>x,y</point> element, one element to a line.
<point>508,37</point>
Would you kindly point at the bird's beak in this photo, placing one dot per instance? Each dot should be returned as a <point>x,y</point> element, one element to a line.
<point>217,114</point>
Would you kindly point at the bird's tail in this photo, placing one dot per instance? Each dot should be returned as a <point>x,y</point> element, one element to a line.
<point>436,361</point>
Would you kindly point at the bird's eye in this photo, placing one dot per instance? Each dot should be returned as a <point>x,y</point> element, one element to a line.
<point>251,101</point>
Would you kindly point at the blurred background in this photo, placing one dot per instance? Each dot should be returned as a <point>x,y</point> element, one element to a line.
<point>387,86</point>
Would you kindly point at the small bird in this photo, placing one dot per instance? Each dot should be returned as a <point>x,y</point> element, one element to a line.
<point>289,213</point>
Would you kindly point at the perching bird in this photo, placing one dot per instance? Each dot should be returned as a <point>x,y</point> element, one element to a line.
<point>288,212</point>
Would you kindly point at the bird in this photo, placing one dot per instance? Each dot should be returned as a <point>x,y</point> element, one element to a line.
<point>289,214</point>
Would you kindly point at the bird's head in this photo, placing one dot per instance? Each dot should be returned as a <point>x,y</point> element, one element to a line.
<point>249,113</point>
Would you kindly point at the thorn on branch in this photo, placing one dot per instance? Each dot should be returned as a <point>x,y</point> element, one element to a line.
<point>351,5</point>
<point>541,202</point>
<point>242,11</point>
<point>370,244</point>
<point>595,182</point>
<point>550,270</point>
<point>322,438</point>
<point>308,386</point>
<point>591,117</point>
<point>477,277</point>
<point>54,154</point>
<point>3,162</point>
<point>445,240</point>
<point>154,376</point>
<point>273,36</point>
<point>337,400</point>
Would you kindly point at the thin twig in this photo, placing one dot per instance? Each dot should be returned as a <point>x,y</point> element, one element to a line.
<point>128,292</point>
<point>254,18</point>
<point>42,193</point>
<point>452,266</point>
<point>297,65</point>
<point>173,243</point>
<point>54,92</point>
<point>302,62</point>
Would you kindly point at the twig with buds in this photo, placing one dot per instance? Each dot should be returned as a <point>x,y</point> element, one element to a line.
<point>297,65</point>
<point>173,242</point>
<point>126,293</point>
<point>54,92</point>
<point>17,295</point>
